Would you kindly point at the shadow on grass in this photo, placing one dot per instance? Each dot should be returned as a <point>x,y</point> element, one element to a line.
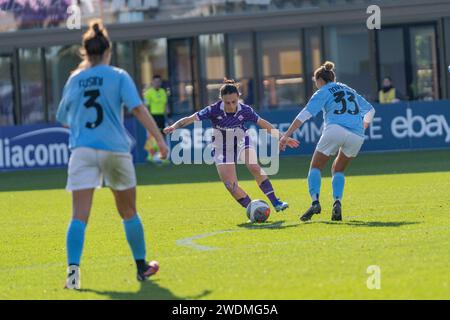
<point>267,225</point>
<point>149,290</point>
<point>357,223</point>
<point>295,167</point>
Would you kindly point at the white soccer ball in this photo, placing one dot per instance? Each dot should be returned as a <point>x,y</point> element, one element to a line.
<point>258,211</point>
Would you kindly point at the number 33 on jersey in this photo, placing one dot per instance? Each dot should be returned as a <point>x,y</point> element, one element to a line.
<point>341,105</point>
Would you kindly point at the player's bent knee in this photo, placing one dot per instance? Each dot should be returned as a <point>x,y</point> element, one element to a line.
<point>127,214</point>
<point>315,168</point>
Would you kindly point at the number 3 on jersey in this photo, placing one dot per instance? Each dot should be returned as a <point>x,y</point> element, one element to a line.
<point>92,103</point>
<point>340,97</point>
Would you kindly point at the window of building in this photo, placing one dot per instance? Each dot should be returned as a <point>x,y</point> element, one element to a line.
<point>313,56</point>
<point>348,48</point>
<point>152,60</point>
<point>241,59</point>
<point>124,56</point>
<point>212,64</point>
<point>6,92</point>
<point>408,54</point>
<point>181,70</point>
<point>424,80</point>
<point>391,57</point>
<point>447,53</point>
<point>60,61</point>
<point>32,86</point>
<point>282,69</point>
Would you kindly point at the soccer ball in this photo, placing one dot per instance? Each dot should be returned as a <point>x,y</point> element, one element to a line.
<point>258,211</point>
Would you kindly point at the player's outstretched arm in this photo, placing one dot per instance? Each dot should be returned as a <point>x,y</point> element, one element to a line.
<point>276,133</point>
<point>183,122</point>
<point>285,138</point>
<point>146,119</point>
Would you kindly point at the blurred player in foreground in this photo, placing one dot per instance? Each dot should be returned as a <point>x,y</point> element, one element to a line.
<point>346,116</point>
<point>91,107</point>
<point>228,115</point>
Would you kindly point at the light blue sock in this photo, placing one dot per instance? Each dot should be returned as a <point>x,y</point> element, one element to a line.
<point>314,181</point>
<point>75,241</point>
<point>134,232</point>
<point>338,185</point>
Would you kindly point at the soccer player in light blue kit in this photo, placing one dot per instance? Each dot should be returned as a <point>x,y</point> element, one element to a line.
<point>91,107</point>
<point>346,115</point>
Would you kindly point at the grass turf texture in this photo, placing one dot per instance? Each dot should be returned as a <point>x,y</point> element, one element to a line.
<point>396,215</point>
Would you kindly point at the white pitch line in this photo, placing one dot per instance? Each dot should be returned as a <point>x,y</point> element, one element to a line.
<point>189,242</point>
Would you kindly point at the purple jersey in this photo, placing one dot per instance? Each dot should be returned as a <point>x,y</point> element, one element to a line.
<point>223,121</point>
<point>229,137</point>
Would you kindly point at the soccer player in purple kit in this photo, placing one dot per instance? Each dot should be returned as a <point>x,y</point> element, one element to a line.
<point>228,115</point>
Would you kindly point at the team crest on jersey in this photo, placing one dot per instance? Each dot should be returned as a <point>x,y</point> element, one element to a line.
<point>219,118</point>
<point>204,111</point>
<point>241,118</point>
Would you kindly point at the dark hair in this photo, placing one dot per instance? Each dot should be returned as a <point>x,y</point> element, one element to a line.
<point>229,87</point>
<point>387,78</point>
<point>95,42</point>
<point>326,72</point>
<point>156,76</point>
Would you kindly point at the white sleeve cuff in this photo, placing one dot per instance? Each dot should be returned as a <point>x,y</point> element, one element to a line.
<point>368,118</point>
<point>304,115</point>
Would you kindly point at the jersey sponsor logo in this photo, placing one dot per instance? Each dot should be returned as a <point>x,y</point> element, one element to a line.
<point>229,128</point>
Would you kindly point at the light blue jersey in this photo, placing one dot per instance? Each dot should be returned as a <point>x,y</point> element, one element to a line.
<point>92,107</point>
<point>341,105</point>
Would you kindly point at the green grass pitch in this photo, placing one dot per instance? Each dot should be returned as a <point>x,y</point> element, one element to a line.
<point>396,216</point>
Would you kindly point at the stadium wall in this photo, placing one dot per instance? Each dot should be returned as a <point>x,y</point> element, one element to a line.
<point>402,126</point>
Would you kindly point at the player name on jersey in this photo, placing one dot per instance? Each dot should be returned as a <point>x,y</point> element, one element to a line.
<point>91,82</point>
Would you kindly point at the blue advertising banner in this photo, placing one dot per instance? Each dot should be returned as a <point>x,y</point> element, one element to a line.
<point>46,146</point>
<point>401,126</point>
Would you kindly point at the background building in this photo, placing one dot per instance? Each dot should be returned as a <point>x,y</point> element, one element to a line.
<point>270,46</point>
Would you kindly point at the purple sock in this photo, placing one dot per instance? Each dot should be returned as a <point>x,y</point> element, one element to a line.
<point>244,201</point>
<point>267,188</point>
